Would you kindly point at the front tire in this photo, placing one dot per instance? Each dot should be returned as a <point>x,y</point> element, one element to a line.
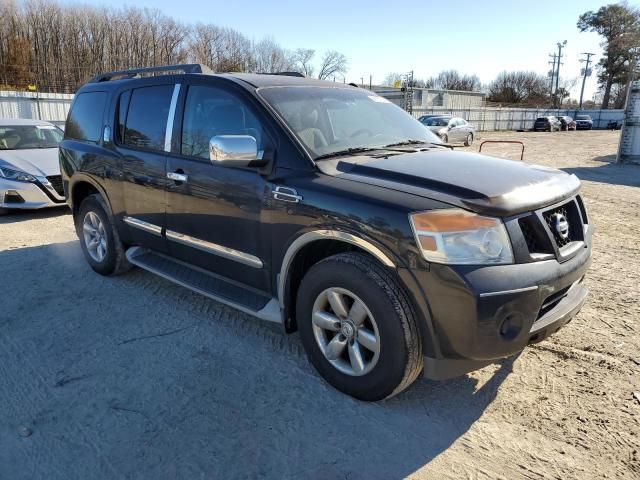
<point>445,138</point>
<point>357,327</point>
<point>4,211</point>
<point>99,238</point>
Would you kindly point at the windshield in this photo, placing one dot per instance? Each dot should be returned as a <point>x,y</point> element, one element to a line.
<point>329,120</point>
<point>23,137</point>
<point>436,121</point>
<point>583,117</point>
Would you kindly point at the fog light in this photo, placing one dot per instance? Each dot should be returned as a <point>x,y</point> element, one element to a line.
<point>11,196</point>
<point>511,326</point>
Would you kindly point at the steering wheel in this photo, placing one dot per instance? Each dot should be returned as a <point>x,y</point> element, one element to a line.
<point>360,132</point>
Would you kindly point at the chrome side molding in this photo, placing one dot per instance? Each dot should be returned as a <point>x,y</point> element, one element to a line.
<point>309,237</point>
<point>145,226</point>
<point>214,248</point>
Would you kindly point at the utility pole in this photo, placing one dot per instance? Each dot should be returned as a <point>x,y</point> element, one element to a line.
<point>560,47</point>
<point>552,74</point>
<point>587,72</point>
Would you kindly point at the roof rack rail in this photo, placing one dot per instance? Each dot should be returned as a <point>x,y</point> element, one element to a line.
<point>131,73</point>
<point>287,74</point>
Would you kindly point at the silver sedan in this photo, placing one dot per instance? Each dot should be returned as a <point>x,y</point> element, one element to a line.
<point>450,129</point>
<point>29,168</point>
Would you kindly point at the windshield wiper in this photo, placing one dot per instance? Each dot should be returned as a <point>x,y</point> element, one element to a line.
<point>347,151</point>
<point>409,142</point>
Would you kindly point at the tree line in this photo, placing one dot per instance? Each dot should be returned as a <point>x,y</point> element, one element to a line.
<point>59,47</point>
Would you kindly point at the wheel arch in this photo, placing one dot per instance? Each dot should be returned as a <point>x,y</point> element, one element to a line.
<point>81,189</point>
<point>308,249</point>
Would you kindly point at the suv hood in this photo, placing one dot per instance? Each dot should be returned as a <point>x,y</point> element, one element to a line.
<point>480,183</point>
<point>40,162</point>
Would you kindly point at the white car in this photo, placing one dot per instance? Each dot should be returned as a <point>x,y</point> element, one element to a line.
<point>29,167</point>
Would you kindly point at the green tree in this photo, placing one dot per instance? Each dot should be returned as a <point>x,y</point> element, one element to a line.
<point>619,24</point>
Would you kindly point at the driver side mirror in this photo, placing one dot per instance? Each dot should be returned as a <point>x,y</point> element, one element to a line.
<point>234,150</point>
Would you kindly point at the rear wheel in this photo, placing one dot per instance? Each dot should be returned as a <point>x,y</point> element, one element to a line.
<point>99,238</point>
<point>469,140</point>
<point>358,328</point>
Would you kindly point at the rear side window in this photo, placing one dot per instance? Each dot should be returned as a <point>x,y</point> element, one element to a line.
<point>85,118</point>
<point>146,118</point>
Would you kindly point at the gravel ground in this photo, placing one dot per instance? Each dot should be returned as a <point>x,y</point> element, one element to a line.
<point>133,377</point>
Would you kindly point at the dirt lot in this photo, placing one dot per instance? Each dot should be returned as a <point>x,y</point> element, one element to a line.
<point>133,377</point>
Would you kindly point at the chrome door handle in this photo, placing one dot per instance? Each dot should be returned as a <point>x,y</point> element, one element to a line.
<point>286,194</point>
<point>177,177</point>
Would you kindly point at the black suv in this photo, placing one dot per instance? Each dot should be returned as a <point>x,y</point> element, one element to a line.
<point>325,208</point>
<point>547,124</point>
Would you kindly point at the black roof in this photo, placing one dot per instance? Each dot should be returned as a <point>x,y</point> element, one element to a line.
<point>256,80</point>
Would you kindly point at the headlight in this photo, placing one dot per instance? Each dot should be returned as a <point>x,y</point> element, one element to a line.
<point>17,175</point>
<point>460,237</point>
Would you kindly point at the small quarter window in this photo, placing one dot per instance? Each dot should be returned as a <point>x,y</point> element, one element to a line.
<point>85,118</point>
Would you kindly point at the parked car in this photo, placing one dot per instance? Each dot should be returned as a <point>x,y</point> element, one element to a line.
<point>547,124</point>
<point>614,125</point>
<point>450,129</point>
<point>567,123</point>
<point>329,210</point>
<point>584,122</point>
<point>29,167</point>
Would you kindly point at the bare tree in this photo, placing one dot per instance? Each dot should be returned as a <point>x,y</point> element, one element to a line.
<point>519,88</point>
<point>303,58</point>
<point>333,62</point>
<point>270,57</point>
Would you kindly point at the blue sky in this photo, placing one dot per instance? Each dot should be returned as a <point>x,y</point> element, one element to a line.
<point>482,37</point>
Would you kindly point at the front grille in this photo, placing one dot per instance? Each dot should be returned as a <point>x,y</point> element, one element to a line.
<point>534,235</point>
<point>569,213</point>
<point>56,183</point>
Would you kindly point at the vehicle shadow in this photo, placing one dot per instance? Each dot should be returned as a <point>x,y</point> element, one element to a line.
<point>16,215</point>
<point>176,385</point>
<point>609,172</point>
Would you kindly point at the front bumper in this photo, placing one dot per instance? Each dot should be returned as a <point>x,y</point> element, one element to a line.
<point>24,195</point>
<point>483,314</point>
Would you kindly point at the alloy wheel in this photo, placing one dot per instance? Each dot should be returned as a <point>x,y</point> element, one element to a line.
<point>346,331</point>
<point>95,236</point>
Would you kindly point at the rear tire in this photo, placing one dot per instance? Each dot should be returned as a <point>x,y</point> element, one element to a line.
<point>372,358</point>
<point>99,238</point>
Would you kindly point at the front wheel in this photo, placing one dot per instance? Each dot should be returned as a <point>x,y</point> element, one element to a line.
<point>358,328</point>
<point>445,138</point>
<point>99,238</point>
<point>4,211</point>
<point>469,140</point>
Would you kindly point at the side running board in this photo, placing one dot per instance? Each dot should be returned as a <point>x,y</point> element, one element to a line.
<point>208,284</point>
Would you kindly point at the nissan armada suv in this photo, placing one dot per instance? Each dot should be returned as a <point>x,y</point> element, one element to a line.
<point>326,209</point>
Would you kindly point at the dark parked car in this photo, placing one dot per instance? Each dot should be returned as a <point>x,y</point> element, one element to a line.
<point>329,210</point>
<point>584,122</point>
<point>567,123</point>
<point>547,124</point>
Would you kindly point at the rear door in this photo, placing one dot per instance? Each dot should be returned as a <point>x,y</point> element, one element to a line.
<point>216,215</point>
<point>142,127</point>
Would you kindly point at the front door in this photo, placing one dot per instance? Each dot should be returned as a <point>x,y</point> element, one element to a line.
<point>216,216</point>
<point>142,126</point>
